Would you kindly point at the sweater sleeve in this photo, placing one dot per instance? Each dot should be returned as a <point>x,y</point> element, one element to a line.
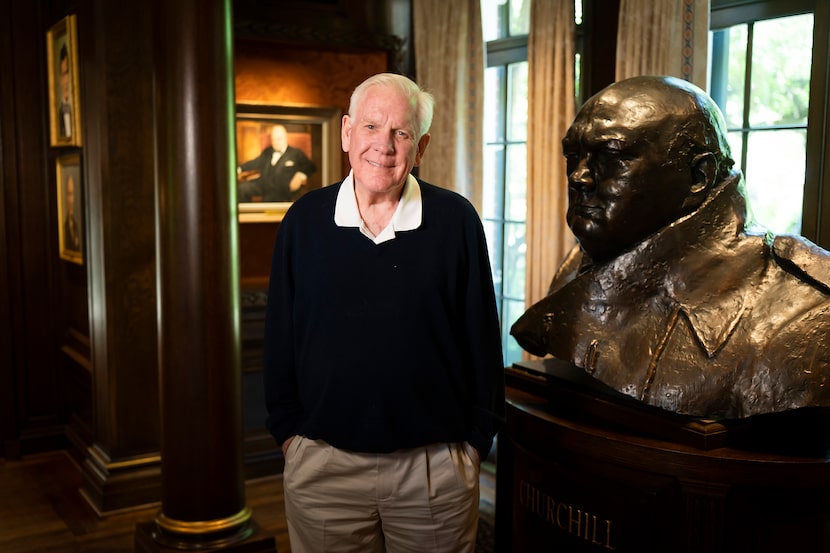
<point>484,338</point>
<point>281,395</point>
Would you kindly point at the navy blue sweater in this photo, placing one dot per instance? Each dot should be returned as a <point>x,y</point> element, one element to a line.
<point>376,347</point>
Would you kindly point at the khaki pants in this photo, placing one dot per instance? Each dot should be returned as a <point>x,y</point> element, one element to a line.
<point>417,500</point>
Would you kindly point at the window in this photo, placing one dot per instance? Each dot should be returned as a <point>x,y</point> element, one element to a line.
<point>760,77</point>
<point>779,90</point>
<point>505,25</point>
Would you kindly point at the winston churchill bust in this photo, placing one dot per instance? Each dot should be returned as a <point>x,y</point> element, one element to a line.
<point>668,297</point>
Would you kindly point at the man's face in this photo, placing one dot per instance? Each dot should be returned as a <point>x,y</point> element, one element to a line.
<point>279,138</point>
<point>381,140</point>
<point>624,180</point>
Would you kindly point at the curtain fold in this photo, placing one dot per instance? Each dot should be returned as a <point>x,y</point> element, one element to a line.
<point>449,63</point>
<point>663,37</point>
<point>551,108</point>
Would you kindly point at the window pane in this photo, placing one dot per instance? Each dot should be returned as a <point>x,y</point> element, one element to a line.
<point>733,40</point>
<point>493,233</point>
<point>517,102</point>
<point>506,26</point>
<point>781,58</point>
<point>494,85</point>
<point>519,17</point>
<point>737,146</point>
<point>492,202</point>
<point>514,260</point>
<point>511,311</point>
<point>775,178</point>
<point>493,22</point>
<point>516,176</point>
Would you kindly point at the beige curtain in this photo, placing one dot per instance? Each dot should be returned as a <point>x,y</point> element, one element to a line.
<point>663,37</point>
<point>551,108</point>
<point>449,54</point>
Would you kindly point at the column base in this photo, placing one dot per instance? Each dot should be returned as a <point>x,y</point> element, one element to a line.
<point>149,538</point>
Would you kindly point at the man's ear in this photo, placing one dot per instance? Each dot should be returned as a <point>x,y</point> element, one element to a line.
<point>422,146</point>
<point>345,133</point>
<point>704,173</point>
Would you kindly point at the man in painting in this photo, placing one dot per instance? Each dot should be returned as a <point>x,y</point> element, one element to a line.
<point>71,230</point>
<point>384,380</point>
<point>283,171</point>
<point>668,297</point>
<point>64,102</point>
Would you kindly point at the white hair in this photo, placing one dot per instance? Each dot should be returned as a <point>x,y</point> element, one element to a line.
<point>421,100</point>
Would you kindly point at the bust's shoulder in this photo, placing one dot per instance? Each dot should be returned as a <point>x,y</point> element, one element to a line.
<point>804,259</point>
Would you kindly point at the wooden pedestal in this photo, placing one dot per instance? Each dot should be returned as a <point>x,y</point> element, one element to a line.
<point>584,469</point>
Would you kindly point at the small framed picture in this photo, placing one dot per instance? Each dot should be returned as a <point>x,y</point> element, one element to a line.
<point>64,99</point>
<point>70,210</point>
<point>282,153</point>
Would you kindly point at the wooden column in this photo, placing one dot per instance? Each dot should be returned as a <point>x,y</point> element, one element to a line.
<point>203,497</point>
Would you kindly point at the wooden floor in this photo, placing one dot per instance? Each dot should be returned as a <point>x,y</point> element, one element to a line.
<point>41,510</point>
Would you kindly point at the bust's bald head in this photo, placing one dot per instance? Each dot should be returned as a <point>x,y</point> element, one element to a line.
<point>640,154</point>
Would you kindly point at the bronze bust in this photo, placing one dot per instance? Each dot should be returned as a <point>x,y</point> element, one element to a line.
<point>669,297</point>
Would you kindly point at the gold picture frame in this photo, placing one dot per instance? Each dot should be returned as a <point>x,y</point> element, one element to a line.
<point>64,97</point>
<point>312,135</point>
<point>70,208</point>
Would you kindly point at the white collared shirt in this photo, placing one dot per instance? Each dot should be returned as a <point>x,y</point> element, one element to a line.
<point>407,216</point>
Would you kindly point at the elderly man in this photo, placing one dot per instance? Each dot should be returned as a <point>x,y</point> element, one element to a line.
<point>668,298</point>
<point>384,380</point>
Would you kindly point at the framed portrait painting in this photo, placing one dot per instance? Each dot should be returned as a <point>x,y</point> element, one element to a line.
<point>283,152</point>
<point>64,99</point>
<point>70,210</point>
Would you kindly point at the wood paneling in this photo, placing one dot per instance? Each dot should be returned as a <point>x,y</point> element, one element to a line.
<point>119,174</point>
<point>31,305</point>
<point>256,242</point>
<point>333,25</point>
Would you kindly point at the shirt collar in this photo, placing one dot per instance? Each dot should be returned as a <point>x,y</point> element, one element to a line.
<point>407,216</point>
